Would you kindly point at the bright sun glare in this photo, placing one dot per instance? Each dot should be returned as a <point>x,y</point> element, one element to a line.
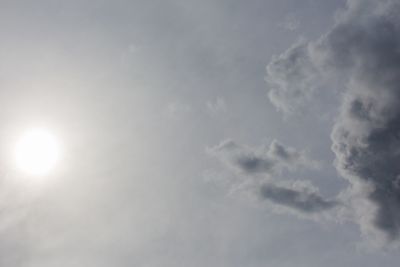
<point>37,152</point>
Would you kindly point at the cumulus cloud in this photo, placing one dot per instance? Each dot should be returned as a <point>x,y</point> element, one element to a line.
<point>292,78</point>
<point>301,198</point>
<point>270,160</point>
<point>364,48</point>
<point>366,136</point>
<point>296,197</point>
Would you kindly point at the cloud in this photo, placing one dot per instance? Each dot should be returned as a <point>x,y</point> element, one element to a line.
<point>298,197</point>
<point>301,198</point>
<point>290,23</point>
<point>268,161</point>
<point>363,48</point>
<point>366,136</point>
<point>177,110</point>
<point>217,106</point>
<point>292,78</point>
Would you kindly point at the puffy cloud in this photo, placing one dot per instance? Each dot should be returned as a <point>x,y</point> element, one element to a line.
<point>270,160</point>
<point>301,198</point>
<point>298,197</point>
<point>366,136</point>
<point>291,78</point>
<point>364,49</point>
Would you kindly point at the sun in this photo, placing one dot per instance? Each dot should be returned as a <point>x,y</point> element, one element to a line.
<point>37,152</point>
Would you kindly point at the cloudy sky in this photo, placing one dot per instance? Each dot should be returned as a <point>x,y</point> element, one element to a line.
<point>202,133</point>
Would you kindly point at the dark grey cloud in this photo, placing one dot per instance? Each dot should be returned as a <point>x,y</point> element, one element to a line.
<point>304,200</point>
<point>270,160</point>
<point>364,49</point>
<point>366,136</point>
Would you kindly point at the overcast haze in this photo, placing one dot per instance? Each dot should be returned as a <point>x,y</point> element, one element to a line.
<point>202,133</point>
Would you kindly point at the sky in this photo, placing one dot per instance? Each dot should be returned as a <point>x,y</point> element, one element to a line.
<point>202,133</point>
